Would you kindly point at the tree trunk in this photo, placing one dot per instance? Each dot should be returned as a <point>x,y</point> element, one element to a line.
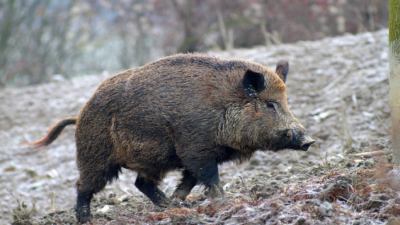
<point>394,79</point>
<point>191,38</point>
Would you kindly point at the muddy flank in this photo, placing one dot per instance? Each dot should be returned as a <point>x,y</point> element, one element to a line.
<point>338,88</point>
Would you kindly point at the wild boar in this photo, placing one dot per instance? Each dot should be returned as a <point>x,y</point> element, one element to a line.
<point>187,111</point>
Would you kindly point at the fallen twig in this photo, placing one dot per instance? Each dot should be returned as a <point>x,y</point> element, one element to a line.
<point>370,154</point>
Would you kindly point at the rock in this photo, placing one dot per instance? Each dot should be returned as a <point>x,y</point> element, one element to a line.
<point>325,209</point>
<point>104,210</point>
<point>123,198</point>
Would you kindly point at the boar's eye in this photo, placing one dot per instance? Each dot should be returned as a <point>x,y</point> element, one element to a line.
<point>272,105</point>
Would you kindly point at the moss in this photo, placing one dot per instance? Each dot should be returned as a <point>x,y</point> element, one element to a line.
<point>394,21</point>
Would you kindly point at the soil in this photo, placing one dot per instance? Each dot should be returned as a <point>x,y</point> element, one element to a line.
<point>338,88</point>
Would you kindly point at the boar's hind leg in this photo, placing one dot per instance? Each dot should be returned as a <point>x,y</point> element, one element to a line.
<point>91,181</point>
<point>150,189</point>
<point>187,183</point>
<point>87,186</point>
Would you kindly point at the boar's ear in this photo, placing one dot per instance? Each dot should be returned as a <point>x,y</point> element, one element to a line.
<point>282,69</point>
<point>253,83</point>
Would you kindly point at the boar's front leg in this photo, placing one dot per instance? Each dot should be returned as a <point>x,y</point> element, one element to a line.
<point>150,189</point>
<point>207,172</point>
<point>204,168</point>
<point>187,183</point>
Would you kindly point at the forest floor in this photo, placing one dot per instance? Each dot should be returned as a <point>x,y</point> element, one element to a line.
<point>338,88</point>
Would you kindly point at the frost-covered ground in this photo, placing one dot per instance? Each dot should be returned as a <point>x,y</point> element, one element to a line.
<point>338,88</point>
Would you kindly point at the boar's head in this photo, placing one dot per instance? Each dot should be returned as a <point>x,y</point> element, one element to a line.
<point>263,120</point>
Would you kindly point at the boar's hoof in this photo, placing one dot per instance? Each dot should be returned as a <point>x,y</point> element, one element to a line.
<point>164,203</point>
<point>83,214</point>
<point>215,191</point>
<point>179,194</point>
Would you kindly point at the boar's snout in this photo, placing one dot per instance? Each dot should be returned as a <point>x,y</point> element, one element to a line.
<point>299,140</point>
<point>306,142</point>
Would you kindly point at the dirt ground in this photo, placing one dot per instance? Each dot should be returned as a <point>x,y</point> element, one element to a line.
<point>338,87</point>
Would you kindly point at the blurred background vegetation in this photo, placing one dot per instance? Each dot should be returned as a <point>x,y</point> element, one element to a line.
<point>41,40</point>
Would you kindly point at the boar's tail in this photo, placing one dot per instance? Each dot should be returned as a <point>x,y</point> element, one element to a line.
<point>53,132</point>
